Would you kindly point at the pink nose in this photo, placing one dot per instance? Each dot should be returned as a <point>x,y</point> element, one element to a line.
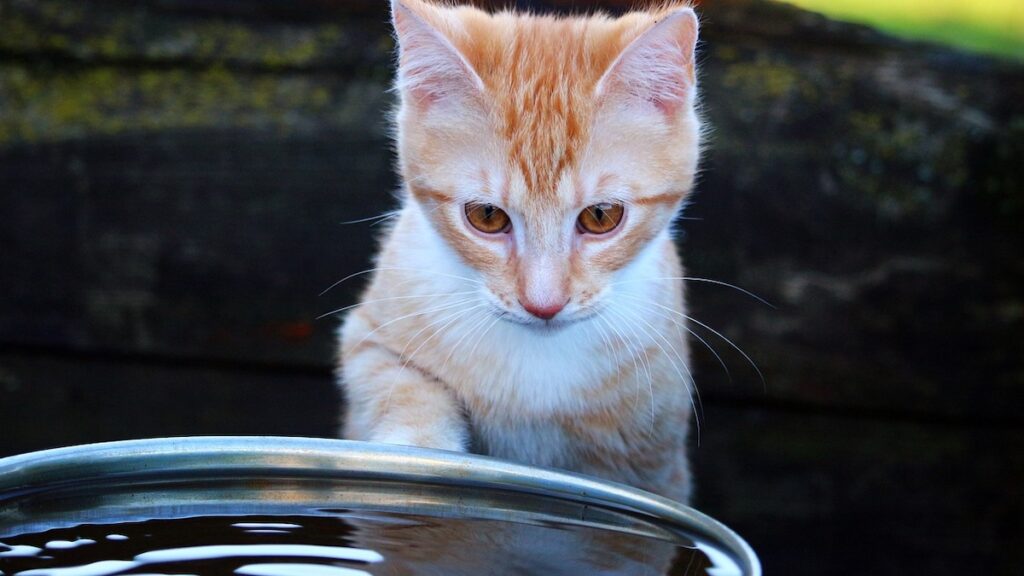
<point>544,311</point>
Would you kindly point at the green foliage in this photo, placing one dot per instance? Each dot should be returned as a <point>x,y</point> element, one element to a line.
<point>992,26</point>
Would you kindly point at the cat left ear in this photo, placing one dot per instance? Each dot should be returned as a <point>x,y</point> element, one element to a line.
<point>430,69</point>
<point>657,68</point>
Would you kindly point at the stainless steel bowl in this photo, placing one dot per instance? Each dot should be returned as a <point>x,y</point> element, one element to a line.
<point>176,477</point>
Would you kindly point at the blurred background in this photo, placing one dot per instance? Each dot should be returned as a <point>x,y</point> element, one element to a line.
<point>175,176</point>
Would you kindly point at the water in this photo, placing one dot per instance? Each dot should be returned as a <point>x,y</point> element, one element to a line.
<point>350,543</point>
<point>308,507</point>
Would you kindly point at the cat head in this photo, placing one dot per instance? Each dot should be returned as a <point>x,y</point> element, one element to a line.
<point>547,152</point>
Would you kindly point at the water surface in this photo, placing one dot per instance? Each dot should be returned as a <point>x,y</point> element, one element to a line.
<point>346,543</point>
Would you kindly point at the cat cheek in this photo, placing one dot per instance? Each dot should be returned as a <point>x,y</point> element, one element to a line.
<point>485,257</point>
<point>611,255</point>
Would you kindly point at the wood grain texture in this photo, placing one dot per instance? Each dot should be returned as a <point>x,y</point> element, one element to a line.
<point>176,175</point>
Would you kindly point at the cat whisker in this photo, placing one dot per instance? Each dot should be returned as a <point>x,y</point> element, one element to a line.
<point>606,341</point>
<point>448,320</point>
<point>365,302</point>
<point>385,219</point>
<point>409,341</point>
<point>688,380</point>
<point>432,310</point>
<point>632,353</point>
<point>375,219</point>
<point>479,324</point>
<point>644,361</point>
<point>716,333</point>
<point>396,268</point>
<point>483,335</point>
<point>696,279</point>
<point>680,324</point>
<point>430,325</point>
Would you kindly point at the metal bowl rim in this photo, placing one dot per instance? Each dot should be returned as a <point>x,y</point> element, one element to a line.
<point>194,456</point>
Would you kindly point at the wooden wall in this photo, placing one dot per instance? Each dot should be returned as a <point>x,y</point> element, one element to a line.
<point>175,176</point>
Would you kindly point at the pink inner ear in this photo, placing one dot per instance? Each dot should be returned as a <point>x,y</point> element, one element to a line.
<point>657,68</point>
<point>430,69</point>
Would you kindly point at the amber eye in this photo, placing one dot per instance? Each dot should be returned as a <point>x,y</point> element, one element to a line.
<point>488,218</point>
<point>600,218</point>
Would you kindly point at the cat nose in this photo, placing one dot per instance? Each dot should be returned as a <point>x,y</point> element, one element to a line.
<point>544,311</point>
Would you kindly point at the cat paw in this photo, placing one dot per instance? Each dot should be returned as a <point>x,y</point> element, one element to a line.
<point>422,438</point>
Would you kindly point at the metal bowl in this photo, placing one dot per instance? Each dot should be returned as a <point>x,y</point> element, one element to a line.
<point>171,478</point>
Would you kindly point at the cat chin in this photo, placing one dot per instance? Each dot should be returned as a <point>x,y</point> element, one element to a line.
<point>546,327</point>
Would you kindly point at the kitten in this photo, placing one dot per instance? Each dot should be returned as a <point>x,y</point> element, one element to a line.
<point>527,302</point>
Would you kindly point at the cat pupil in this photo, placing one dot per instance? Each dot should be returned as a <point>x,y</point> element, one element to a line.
<point>488,211</point>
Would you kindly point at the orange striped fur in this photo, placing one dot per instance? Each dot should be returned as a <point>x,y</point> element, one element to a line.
<point>542,343</point>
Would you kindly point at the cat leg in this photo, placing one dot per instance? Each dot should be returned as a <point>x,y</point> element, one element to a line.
<point>392,402</point>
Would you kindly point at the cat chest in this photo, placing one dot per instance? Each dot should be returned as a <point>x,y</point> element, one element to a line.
<point>653,461</point>
<point>538,443</point>
<point>563,442</point>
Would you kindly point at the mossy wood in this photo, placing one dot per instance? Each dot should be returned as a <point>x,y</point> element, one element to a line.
<point>176,176</point>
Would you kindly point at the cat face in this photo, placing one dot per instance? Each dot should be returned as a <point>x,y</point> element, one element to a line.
<point>547,152</point>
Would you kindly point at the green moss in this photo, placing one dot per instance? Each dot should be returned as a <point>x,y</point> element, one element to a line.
<point>36,106</point>
<point>897,164</point>
<point>766,79</point>
<point>760,78</point>
<point>111,32</point>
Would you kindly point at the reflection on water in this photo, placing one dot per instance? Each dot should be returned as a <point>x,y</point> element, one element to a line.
<point>350,543</point>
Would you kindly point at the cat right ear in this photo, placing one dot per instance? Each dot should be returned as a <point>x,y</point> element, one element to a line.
<point>657,68</point>
<point>431,71</point>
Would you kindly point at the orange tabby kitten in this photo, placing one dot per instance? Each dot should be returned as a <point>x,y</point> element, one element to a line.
<point>527,301</point>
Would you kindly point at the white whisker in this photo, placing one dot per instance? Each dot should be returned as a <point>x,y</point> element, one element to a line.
<point>448,320</point>
<point>680,324</point>
<point>695,279</point>
<point>719,334</point>
<point>379,218</point>
<point>632,353</point>
<point>479,324</point>
<point>439,308</point>
<point>480,339</point>
<point>398,268</point>
<point>391,298</point>
<point>688,380</point>
<point>644,361</point>
<point>606,339</point>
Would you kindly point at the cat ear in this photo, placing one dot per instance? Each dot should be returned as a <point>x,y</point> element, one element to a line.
<point>430,69</point>
<point>657,68</point>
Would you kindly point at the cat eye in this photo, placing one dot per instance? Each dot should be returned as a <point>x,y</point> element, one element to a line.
<point>488,218</point>
<point>600,218</point>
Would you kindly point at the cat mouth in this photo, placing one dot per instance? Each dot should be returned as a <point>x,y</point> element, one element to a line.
<point>551,325</point>
<point>533,322</point>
